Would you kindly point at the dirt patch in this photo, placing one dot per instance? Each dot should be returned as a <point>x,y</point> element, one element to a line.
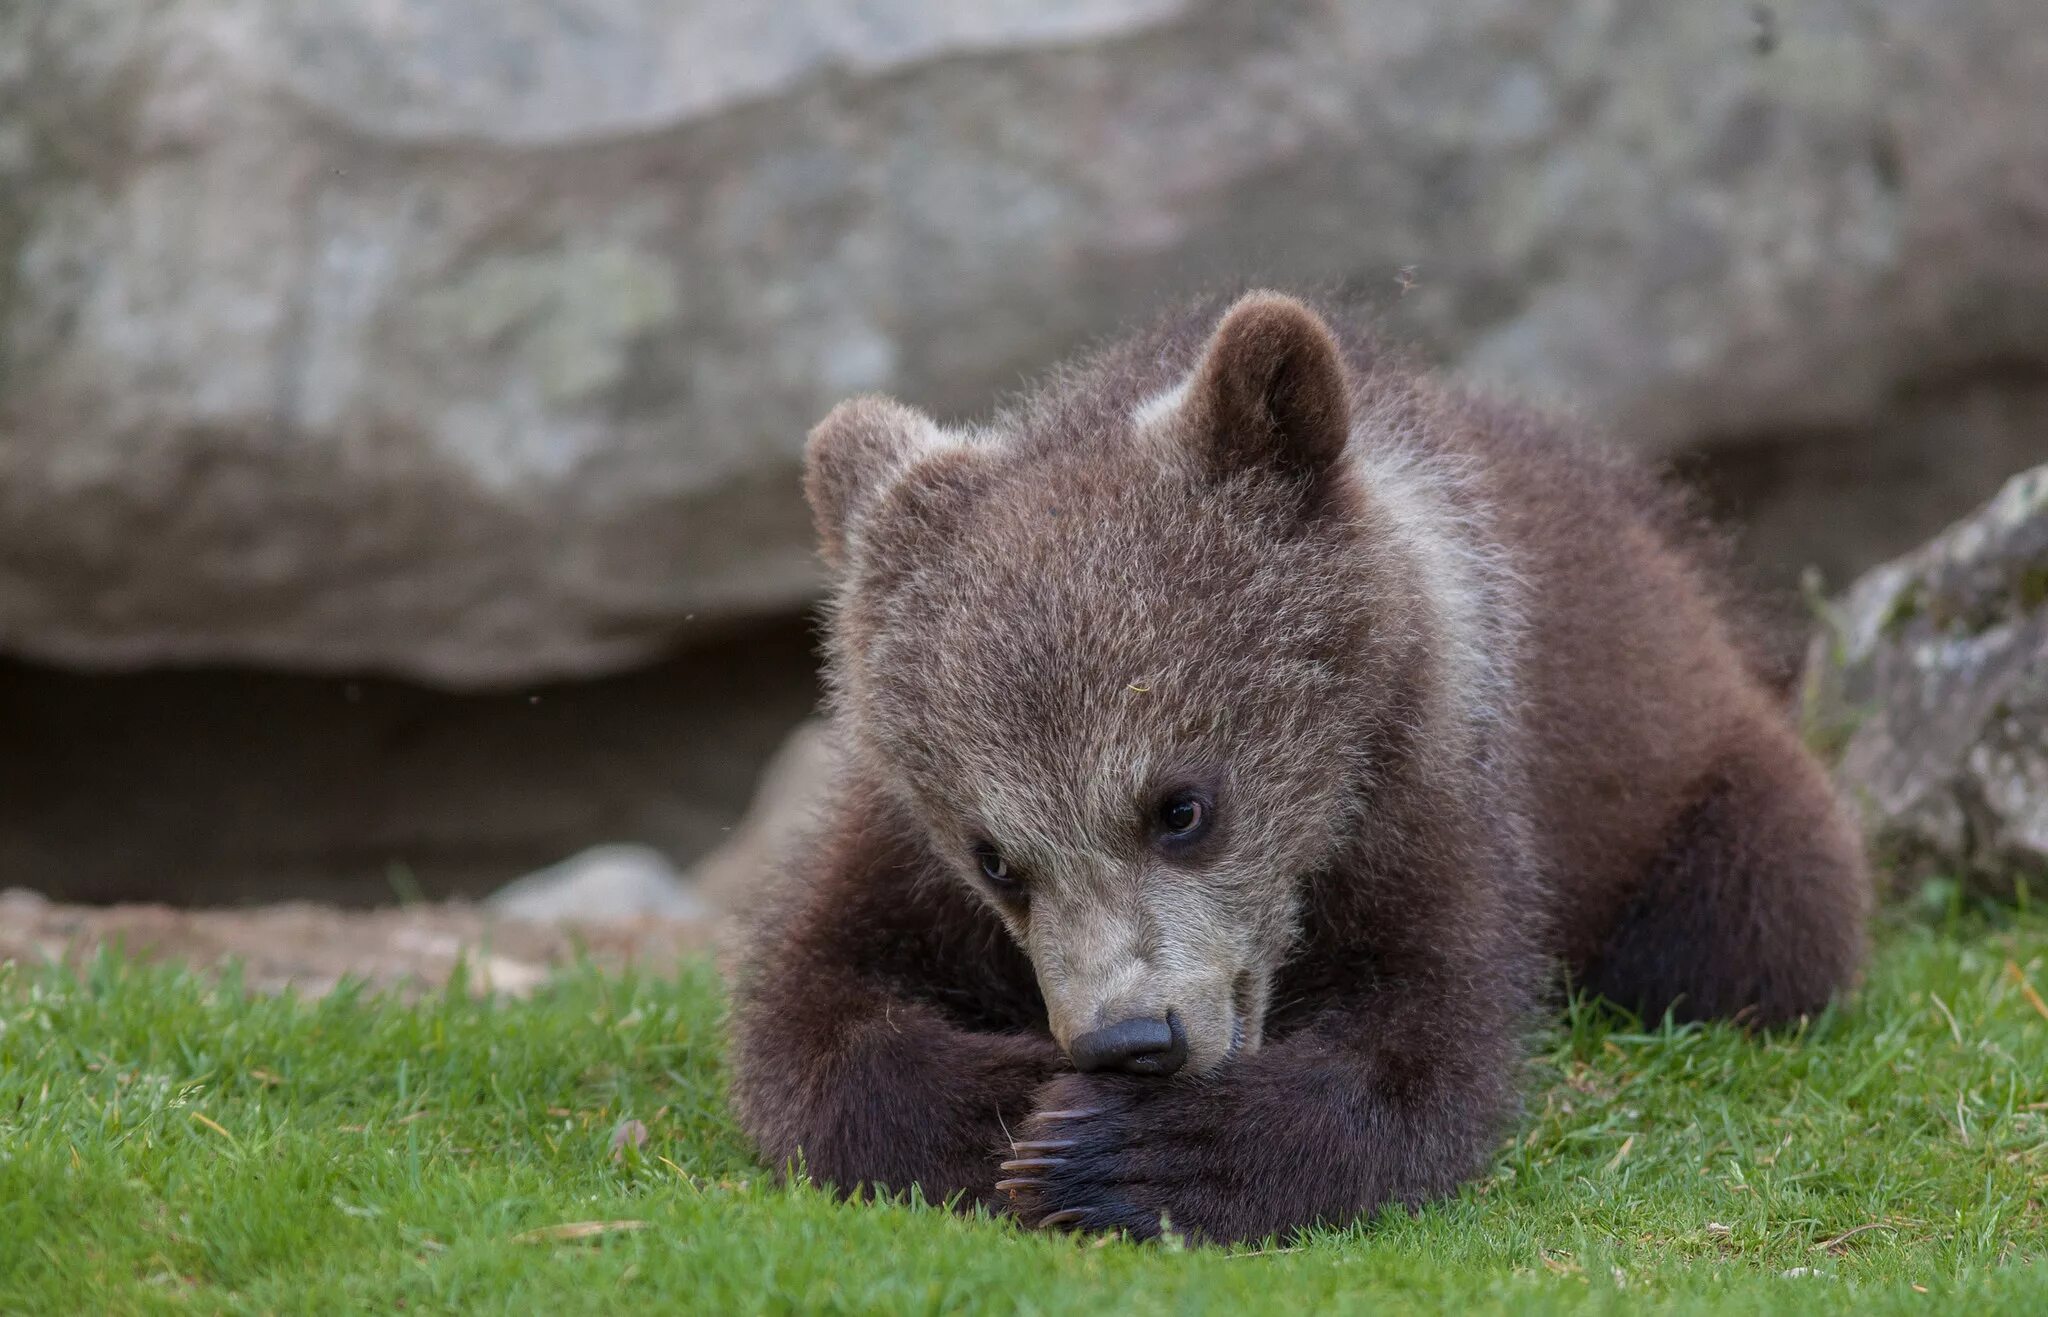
<point>312,948</point>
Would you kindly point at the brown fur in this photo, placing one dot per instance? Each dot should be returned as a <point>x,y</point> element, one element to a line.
<point>1465,703</point>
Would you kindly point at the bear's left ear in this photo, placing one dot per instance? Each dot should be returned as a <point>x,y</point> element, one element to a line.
<point>1270,394</point>
<point>863,449</point>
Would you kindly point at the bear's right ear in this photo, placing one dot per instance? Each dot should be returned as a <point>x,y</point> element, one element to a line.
<point>853,457</point>
<point>1271,394</point>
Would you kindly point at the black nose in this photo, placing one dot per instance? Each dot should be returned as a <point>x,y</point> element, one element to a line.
<point>1136,1047</point>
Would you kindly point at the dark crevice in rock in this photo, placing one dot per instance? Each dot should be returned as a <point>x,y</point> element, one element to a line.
<point>225,785</point>
<point>1841,499</point>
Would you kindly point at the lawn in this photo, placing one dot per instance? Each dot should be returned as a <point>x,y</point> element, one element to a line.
<point>168,1143</point>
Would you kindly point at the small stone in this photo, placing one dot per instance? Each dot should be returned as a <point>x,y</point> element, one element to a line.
<point>21,902</point>
<point>605,884</point>
<point>629,1134</point>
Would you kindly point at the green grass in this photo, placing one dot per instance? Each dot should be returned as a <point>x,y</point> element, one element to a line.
<point>167,1144</point>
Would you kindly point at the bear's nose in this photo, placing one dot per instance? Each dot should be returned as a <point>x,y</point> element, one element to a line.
<point>1136,1047</point>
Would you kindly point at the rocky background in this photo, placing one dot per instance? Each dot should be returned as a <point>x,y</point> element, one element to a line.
<point>400,403</point>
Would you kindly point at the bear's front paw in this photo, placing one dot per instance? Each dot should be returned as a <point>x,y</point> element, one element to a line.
<point>1109,1153</point>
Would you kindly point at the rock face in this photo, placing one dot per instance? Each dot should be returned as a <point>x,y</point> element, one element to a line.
<point>475,340</point>
<point>1932,676</point>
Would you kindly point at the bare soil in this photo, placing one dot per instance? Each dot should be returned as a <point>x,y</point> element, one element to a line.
<point>312,948</point>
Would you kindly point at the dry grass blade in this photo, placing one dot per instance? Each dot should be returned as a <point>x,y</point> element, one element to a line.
<point>2027,990</point>
<point>1830,1245</point>
<point>212,1124</point>
<point>571,1231</point>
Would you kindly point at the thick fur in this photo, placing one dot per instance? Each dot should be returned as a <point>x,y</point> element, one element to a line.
<point>1465,702</point>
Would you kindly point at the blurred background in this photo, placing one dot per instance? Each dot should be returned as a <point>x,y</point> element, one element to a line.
<point>401,401</point>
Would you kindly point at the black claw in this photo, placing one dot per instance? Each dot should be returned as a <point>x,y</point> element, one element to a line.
<point>1060,1219</point>
<point>1028,1164</point>
<point>1012,1186</point>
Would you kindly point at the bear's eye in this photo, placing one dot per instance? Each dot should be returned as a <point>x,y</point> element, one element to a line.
<point>1183,817</point>
<point>995,868</point>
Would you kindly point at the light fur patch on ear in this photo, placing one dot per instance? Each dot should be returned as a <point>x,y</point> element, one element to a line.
<point>854,456</point>
<point>1162,406</point>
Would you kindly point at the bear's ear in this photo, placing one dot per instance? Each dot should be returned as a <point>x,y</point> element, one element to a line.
<point>1270,394</point>
<point>853,457</point>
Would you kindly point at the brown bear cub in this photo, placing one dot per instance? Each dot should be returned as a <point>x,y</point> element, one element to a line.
<point>1234,736</point>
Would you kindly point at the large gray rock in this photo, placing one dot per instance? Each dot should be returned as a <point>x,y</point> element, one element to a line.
<point>475,339</point>
<point>1932,678</point>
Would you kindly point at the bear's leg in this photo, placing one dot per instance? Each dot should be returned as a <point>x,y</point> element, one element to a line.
<point>894,1096</point>
<point>883,1028</point>
<point>1754,908</point>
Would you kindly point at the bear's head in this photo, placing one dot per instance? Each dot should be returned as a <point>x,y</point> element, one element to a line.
<point>1129,654</point>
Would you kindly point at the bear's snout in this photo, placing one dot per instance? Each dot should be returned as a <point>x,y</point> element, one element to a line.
<point>1138,1046</point>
